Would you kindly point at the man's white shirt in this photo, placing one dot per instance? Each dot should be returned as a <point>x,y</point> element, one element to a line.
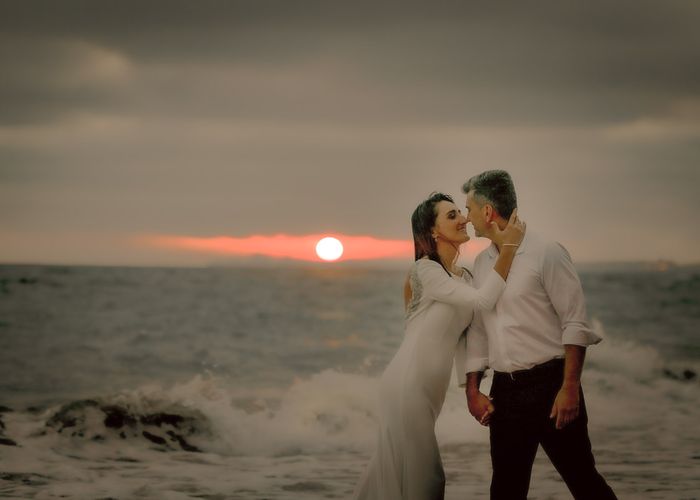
<point>541,310</point>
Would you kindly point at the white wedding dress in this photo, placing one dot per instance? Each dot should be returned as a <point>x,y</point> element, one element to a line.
<point>406,463</point>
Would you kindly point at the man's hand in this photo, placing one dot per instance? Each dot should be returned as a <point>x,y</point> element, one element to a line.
<point>480,407</point>
<point>566,405</point>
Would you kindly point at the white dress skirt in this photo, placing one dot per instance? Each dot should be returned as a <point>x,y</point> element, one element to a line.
<point>406,463</point>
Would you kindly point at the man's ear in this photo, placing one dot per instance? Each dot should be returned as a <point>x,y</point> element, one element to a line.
<point>488,212</point>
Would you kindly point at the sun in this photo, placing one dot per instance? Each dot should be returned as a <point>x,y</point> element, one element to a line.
<point>329,249</point>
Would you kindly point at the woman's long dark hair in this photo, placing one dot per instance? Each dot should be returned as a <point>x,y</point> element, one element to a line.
<point>422,222</point>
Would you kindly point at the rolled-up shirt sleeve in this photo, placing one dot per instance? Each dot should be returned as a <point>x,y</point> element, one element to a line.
<point>477,351</point>
<point>439,285</point>
<point>563,286</point>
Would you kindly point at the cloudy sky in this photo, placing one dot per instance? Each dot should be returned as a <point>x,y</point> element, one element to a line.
<point>125,121</point>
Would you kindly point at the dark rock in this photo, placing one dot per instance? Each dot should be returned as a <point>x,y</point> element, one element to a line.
<point>183,443</point>
<point>70,414</point>
<point>27,281</point>
<point>68,422</point>
<point>27,478</point>
<point>5,409</point>
<point>4,439</point>
<point>153,438</point>
<point>76,418</point>
<point>685,375</point>
<point>159,419</point>
<point>670,374</point>
<point>117,417</point>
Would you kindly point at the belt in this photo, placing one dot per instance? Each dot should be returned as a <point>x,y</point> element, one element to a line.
<point>544,370</point>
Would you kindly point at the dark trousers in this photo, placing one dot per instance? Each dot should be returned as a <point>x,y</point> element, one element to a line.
<point>521,422</point>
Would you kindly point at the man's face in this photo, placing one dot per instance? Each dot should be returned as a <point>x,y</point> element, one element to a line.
<point>476,215</point>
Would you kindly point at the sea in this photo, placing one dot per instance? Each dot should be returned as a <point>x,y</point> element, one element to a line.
<point>261,383</point>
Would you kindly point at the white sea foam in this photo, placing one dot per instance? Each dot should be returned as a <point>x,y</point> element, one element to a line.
<point>330,411</point>
<point>271,420</point>
<point>324,426</point>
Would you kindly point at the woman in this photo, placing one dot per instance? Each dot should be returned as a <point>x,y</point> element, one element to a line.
<point>406,463</point>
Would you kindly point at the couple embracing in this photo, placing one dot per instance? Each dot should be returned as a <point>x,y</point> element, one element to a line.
<point>525,313</point>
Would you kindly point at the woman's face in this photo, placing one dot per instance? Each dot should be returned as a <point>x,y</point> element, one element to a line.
<point>450,224</point>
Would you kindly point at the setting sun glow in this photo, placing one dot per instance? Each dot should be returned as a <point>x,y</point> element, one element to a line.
<point>316,247</point>
<point>329,249</point>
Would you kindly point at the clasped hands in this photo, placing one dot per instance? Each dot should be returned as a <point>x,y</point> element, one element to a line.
<point>480,406</point>
<point>565,408</point>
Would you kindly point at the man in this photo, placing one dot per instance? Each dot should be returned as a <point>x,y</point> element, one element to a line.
<point>535,341</point>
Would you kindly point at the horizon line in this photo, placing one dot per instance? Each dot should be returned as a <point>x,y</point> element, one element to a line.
<point>260,263</point>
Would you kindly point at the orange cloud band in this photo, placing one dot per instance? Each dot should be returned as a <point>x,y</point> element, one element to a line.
<point>282,246</point>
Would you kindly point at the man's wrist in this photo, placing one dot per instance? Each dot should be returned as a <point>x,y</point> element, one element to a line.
<point>571,385</point>
<point>472,392</point>
<point>473,383</point>
<point>474,380</point>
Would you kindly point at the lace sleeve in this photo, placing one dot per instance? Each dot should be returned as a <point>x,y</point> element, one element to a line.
<point>416,292</point>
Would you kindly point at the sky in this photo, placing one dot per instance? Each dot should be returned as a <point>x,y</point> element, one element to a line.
<point>127,127</point>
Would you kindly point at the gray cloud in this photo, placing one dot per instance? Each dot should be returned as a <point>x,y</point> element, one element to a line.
<point>467,62</point>
<point>242,117</point>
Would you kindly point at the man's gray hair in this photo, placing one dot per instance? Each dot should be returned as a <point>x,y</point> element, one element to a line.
<point>494,187</point>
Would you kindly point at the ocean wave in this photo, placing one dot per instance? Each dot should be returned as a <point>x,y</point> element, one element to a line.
<point>335,411</point>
